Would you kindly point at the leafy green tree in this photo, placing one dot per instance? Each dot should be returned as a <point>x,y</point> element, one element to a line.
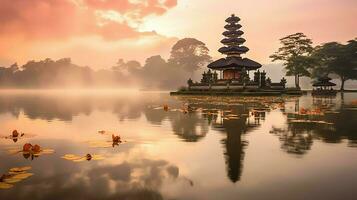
<point>189,53</point>
<point>338,59</point>
<point>294,53</point>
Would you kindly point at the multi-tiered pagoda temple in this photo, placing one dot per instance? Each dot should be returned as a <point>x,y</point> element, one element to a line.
<point>231,73</point>
<point>233,66</point>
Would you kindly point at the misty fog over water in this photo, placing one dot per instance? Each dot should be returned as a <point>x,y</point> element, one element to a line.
<point>195,148</point>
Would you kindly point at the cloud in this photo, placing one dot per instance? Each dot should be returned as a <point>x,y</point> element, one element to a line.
<point>62,19</point>
<point>92,32</point>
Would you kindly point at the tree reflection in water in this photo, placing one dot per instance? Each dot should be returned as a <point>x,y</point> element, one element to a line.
<point>296,138</point>
<point>139,179</point>
<point>336,123</point>
<point>190,127</point>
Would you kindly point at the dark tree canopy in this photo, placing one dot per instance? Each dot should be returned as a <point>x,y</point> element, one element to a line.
<point>189,53</point>
<point>294,53</point>
<point>336,59</point>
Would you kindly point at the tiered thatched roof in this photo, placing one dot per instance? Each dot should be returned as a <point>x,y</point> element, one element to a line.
<point>323,81</point>
<point>233,49</point>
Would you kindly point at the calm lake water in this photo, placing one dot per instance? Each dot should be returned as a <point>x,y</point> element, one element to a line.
<point>197,148</point>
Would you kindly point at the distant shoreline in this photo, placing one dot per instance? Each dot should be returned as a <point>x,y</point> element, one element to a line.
<point>348,90</point>
<point>107,90</point>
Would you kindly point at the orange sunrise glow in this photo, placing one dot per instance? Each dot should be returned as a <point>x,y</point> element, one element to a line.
<point>97,33</point>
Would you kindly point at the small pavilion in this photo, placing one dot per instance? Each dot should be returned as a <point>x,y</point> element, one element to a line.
<point>323,86</point>
<point>323,83</point>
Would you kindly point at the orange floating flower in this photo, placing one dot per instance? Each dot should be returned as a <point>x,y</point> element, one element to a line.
<point>27,147</point>
<point>166,107</point>
<point>36,148</point>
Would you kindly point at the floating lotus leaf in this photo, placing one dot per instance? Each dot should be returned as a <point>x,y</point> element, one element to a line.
<point>22,176</point>
<point>12,180</point>
<point>19,169</point>
<point>28,150</point>
<point>14,175</point>
<point>5,185</point>
<point>13,151</point>
<point>80,160</point>
<point>98,157</point>
<point>71,157</point>
<point>47,151</point>
<point>116,140</point>
<point>17,135</point>
<point>88,157</point>
<point>100,144</point>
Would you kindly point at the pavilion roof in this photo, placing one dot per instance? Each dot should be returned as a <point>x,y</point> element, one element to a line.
<point>323,81</point>
<point>234,62</point>
<point>319,83</point>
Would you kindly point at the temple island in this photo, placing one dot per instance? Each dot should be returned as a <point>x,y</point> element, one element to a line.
<point>230,75</point>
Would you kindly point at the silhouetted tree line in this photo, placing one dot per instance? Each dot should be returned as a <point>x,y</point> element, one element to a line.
<point>187,56</point>
<point>330,59</point>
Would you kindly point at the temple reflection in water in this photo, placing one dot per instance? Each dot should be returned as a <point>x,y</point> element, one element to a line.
<point>194,126</point>
<point>234,121</point>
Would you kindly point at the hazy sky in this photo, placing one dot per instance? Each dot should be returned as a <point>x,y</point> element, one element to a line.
<point>99,32</point>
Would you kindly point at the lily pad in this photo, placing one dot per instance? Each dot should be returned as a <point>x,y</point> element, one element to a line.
<point>19,169</point>
<point>77,158</point>
<point>100,144</point>
<point>30,151</point>
<point>14,175</point>
<point>5,185</point>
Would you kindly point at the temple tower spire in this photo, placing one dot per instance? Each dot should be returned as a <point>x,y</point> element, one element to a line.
<point>233,40</point>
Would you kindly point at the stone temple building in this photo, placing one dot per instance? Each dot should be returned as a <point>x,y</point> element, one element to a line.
<point>232,71</point>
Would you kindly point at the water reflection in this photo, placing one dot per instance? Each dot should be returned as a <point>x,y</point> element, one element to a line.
<point>166,148</point>
<point>325,119</point>
<point>234,120</point>
<point>188,126</point>
<point>141,179</point>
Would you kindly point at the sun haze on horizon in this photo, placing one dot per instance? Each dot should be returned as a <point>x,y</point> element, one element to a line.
<point>97,33</point>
